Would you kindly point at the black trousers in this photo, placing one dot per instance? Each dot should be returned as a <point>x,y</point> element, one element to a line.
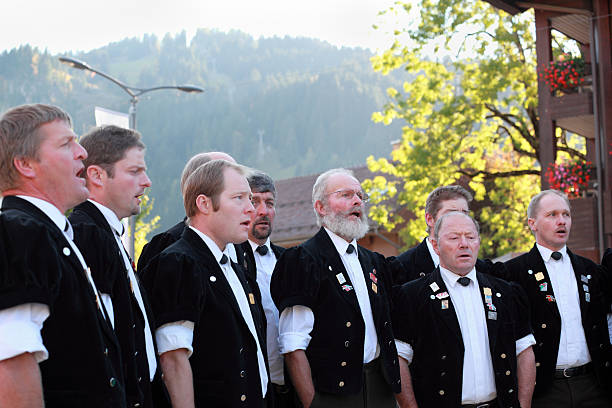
<point>576,392</point>
<point>376,393</point>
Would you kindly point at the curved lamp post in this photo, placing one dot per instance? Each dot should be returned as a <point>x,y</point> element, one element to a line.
<point>134,94</point>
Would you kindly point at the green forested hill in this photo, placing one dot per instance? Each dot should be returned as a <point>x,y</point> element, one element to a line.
<point>288,106</point>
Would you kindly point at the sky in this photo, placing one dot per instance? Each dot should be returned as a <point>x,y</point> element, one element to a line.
<point>77,25</point>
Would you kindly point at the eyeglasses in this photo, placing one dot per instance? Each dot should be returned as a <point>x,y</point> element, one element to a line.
<point>348,194</point>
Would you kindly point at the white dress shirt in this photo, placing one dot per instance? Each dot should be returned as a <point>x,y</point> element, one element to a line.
<point>177,335</point>
<point>296,322</point>
<point>478,379</point>
<point>20,325</point>
<point>573,350</point>
<point>434,257</point>
<point>265,266</point>
<point>118,229</point>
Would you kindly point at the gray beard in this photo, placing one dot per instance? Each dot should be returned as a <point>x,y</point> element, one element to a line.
<point>348,229</point>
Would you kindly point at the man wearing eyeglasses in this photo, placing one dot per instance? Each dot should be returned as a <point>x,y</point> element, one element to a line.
<point>333,299</point>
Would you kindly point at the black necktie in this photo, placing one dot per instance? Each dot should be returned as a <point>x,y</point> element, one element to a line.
<point>556,255</point>
<point>464,281</point>
<point>350,249</point>
<point>223,260</point>
<point>262,250</point>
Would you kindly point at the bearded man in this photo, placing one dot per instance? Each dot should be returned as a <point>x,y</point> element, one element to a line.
<point>333,299</point>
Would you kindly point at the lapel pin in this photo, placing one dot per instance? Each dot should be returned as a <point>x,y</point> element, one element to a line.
<point>66,251</point>
<point>251,299</point>
<point>498,294</point>
<point>373,278</point>
<point>588,276</point>
<point>213,278</point>
<point>444,304</point>
<point>487,291</point>
<point>340,278</point>
<point>585,287</point>
<point>584,278</point>
<point>492,315</point>
<point>530,272</point>
<point>330,268</point>
<point>442,295</point>
<point>434,287</point>
<point>587,296</point>
<point>539,276</point>
<point>374,288</point>
<point>432,297</point>
<point>550,298</point>
<point>347,288</point>
<point>543,287</point>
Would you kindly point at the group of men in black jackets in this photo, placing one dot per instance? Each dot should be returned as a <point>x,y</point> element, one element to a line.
<point>232,320</point>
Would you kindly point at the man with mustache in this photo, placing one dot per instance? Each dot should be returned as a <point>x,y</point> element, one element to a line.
<point>57,343</point>
<point>115,172</point>
<point>164,239</point>
<point>259,257</point>
<point>333,296</point>
<point>569,297</point>
<point>463,337</point>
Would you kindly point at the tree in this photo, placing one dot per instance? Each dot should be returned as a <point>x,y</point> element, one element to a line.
<point>470,119</point>
<point>144,227</point>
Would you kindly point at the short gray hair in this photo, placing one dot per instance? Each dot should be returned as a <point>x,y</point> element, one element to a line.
<point>318,190</point>
<point>534,204</point>
<point>441,220</point>
<point>260,182</point>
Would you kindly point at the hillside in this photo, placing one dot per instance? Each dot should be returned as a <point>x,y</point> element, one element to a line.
<point>288,106</point>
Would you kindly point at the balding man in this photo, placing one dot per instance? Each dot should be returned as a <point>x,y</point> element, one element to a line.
<point>463,336</point>
<point>164,239</point>
<point>569,297</point>
<point>333,296</point>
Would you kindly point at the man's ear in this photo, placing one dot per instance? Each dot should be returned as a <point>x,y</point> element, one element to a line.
<point>204,204</point>
<point>25,166</point>
<point>531,224</point>
<point>96,175</point>
<point>429,220</point>
<point>434,244</point>
<point>320,208</point>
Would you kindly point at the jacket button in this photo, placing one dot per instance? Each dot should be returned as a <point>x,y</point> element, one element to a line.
<point>135,353</point>
<point>442,374</point>
<point>241,350</point>
<point>341,384</point>
<point>106,351</point>
<point>343,364</point>
<point>607,364</point>
<point>601,346</point>
<point>136,405</point>
<point>139,379</point>
<point>508,372</point>
<point>441,392</point>
<point>346,343</point>
<point>243,398</point>
<point>112,382</point>
<point>594,326</point>
<point>543,325</point>
<point>503,355</point>
<point>242,374</point>
<point>537,364</point>
<point>510,391</point>
<point>422,274</point>
<point>134,326</point>
<point>443,357</point>
<point>348,324</point>
<point>386,324</point>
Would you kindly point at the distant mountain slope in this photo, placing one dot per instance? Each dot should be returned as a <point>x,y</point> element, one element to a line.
<point>288,106</point>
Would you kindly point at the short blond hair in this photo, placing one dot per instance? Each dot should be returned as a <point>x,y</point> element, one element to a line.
<point>20,137</point>
<point>209,180</point>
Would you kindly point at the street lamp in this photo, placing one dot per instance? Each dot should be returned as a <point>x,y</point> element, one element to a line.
<point>134,94</point>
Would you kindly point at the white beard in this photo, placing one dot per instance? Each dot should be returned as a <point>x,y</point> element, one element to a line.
<point>346,228</point>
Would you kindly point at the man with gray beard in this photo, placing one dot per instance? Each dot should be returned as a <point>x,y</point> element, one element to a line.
<point>333,299</point>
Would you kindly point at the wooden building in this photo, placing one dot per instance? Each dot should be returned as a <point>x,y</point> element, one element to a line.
<point>588,113</point>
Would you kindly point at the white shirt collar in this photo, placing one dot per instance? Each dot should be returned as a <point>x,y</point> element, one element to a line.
<point>255,245</point>
<point>434,257</point>
<point>546,252</point>
<point>49,209</point>
<point>110,217</point>
<point>216,251</point>
<point>340,243</point>
<point>450,278</point>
